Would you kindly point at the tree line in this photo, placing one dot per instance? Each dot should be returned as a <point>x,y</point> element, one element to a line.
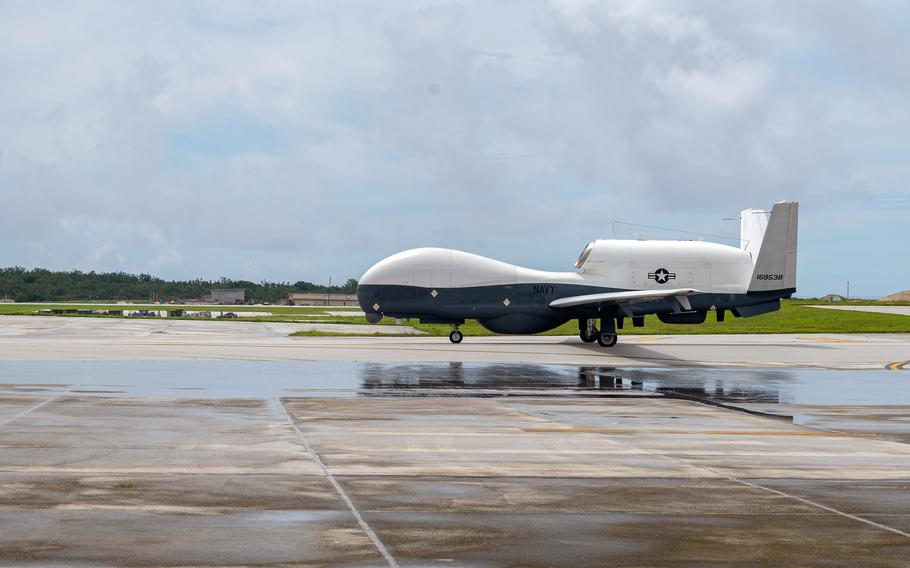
<point>40,285</point>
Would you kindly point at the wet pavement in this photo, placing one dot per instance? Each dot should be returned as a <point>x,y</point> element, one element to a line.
<point>80,339</point>
<point>230,463</point>
<point>853,401</point>
<point>267,379</point>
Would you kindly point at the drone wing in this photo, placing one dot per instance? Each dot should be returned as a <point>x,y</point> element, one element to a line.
<point>628,298</point>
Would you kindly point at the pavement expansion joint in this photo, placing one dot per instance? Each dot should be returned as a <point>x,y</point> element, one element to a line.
<point>681,461</point>
<point>725,406</point>
<point>377,542</point>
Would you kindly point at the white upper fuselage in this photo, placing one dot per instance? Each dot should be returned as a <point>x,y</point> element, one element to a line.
<point>618,264</point>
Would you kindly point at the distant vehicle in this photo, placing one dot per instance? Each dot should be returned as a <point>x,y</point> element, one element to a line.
<point>144,314</point>
<point>228,315</point>
<point>679,281</point>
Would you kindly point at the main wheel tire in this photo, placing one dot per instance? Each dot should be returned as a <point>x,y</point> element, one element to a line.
<point>456,336</point>
<point>589,338</point>
<point>607,339</point>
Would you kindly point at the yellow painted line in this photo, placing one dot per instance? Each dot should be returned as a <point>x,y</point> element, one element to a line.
<point>629,431</point>
<point>830,339</point>
<point>897,365</point>
<point>645,338</point>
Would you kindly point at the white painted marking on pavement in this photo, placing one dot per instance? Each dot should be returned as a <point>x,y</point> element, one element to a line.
<point>67,392</point>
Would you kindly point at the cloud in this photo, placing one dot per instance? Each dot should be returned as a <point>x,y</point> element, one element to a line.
<point>728,89</point>
<point>296,140</point>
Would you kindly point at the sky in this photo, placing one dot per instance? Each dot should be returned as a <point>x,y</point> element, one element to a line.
<point>295,140</point>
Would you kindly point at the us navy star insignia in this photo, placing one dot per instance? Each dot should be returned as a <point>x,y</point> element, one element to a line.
<point>661,276</point>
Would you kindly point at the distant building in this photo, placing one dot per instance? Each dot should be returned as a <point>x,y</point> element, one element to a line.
<point>833,298</point>
<point>6,300</point>
<point>898,297</point>
<point>225,296</point>
<point>312,299</point>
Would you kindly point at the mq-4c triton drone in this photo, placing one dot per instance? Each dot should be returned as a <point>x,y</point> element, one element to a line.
<point>679,281</point>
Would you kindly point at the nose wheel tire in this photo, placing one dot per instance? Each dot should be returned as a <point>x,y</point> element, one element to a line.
<point>456,336</point>
<point>607,339</point>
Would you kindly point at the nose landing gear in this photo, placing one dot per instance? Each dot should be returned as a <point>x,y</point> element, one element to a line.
<point>456,336</point>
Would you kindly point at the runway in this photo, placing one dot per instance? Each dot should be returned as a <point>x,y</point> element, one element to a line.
<point>231,444</point>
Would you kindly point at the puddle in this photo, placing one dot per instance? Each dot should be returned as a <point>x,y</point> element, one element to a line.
<point>268,379</point>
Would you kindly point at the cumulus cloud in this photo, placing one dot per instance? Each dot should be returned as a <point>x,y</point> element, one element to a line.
<point>730,88</point>
<point>302,140</point>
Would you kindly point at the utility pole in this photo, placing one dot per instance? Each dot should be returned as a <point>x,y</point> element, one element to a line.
<point>848,289</point>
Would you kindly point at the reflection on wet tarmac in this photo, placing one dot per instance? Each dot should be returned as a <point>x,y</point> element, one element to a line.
<point>492,376</point>
<point>255,379</point>
<point>772,386</point>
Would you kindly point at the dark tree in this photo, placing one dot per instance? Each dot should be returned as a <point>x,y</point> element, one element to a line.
<point>40,285</point>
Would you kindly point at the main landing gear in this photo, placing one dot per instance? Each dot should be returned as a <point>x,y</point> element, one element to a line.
<point>605,336</point>
<point>606,339</point>
<point>587,330</point>
<point>456,336</point>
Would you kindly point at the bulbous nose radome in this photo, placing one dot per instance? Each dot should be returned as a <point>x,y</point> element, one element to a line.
<point>379,284</point>
<point>396,270</point>
<point>370,288</point>
<point>370,299</point>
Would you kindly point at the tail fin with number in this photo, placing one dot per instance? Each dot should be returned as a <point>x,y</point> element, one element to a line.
<point>775,264</point>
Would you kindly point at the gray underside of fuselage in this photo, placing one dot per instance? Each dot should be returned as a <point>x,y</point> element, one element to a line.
<point>523,308</point>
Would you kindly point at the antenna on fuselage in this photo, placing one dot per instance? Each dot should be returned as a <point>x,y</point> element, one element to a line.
<point>726,237</point>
